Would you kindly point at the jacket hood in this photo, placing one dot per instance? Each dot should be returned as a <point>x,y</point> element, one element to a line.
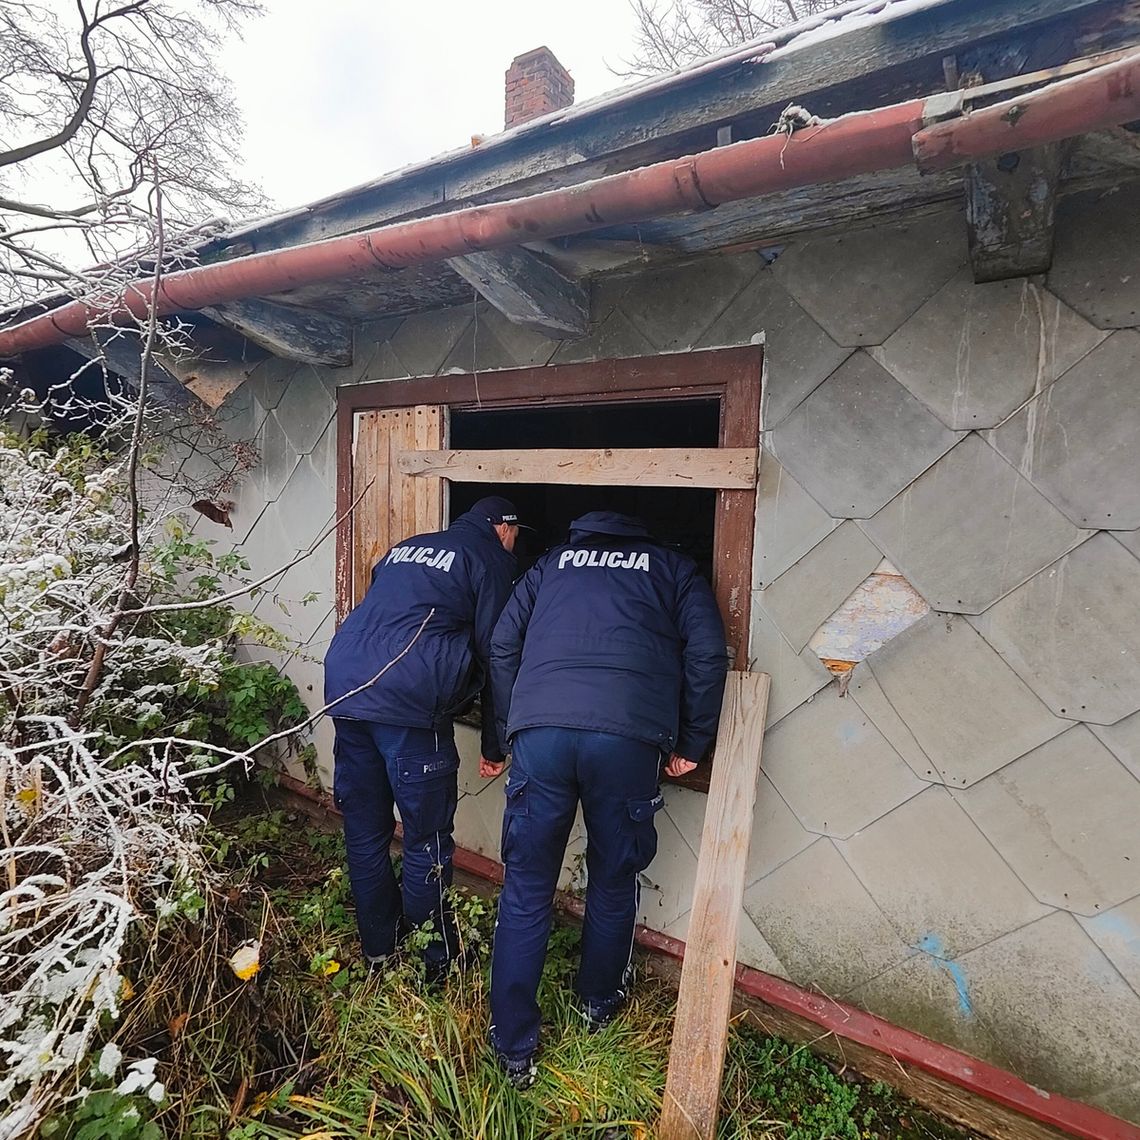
<point>607,522</point>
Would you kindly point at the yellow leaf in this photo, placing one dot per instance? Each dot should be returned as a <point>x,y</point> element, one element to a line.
<point>26,795</point>
<point>126,989</point>
<point>332,967</point>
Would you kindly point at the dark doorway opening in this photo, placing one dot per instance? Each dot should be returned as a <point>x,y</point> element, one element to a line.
<point>681,517</point>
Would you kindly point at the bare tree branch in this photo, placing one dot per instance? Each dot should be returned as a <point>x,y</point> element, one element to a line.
<point>672,33</point>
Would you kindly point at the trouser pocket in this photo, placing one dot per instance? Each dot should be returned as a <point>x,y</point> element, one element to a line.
<point>639,833</point>
<point>426,792</point>
<point>515,843</point>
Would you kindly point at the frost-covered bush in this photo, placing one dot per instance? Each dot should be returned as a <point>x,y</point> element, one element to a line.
<point>110,710</point>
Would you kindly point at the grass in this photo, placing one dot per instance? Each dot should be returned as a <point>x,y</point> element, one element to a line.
<point>316,1046</point>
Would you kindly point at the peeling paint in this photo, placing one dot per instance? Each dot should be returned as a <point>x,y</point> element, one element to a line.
<point>879,608</point>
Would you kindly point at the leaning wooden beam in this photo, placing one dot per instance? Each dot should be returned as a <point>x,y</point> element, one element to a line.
<point>704,1000</point>
<point>307,335</point>
<point>528,290</point>
<point>726,468</point>
<point>1010,203</point>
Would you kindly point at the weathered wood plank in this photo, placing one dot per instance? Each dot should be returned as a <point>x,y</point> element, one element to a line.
<point>528,291</point>
<point>307,335</point>
<point>704,1001</point>
<point>430,434</point>
<point>370,522</point>
<point>717,467</point>
<point>1010,206</point>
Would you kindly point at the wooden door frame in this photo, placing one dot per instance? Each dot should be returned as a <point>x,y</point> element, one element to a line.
<point>729,375</point>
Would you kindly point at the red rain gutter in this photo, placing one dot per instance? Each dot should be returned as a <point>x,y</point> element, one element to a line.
<point>859,143</point>
<point>845,1021</point>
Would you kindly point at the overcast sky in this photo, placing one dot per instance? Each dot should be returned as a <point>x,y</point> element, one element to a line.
<point>337,92</point>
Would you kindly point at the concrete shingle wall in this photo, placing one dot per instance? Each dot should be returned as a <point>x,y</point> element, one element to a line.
<point>952,836</point>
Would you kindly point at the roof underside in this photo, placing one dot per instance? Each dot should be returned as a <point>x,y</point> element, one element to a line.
<point>875,55</point>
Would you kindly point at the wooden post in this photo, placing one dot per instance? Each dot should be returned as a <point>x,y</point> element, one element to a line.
<point>704,1000</point>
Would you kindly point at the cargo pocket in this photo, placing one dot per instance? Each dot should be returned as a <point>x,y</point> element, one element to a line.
<point>427,792</point>
<point>640,833</point>
<point>516,821</point>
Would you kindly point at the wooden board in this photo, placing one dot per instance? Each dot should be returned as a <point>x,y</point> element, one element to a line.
<point>704,1001</point>
<point>393,507</point>
<point>717,467</point>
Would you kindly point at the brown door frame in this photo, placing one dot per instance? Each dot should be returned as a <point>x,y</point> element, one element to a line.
<point>729,375</point>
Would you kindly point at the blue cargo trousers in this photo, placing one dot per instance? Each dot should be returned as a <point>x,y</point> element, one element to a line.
<point>379,767</point>
<point>615,779</point>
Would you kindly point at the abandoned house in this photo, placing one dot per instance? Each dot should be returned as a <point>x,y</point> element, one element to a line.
<point>873,359</point>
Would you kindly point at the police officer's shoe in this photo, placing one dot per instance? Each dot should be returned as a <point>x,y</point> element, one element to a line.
<point>520,1071</point>
<point>599,1014</point>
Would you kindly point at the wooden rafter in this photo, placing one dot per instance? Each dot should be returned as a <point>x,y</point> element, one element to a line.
<point>294,333</point>
<point>528,291</point>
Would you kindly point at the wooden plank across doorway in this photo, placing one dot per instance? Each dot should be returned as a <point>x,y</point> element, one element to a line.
<point>716,467</point>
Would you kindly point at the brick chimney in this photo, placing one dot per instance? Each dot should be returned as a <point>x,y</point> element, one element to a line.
<point>536,85</point>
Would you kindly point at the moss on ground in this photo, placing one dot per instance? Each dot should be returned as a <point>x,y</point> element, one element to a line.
<point>316,1046</point>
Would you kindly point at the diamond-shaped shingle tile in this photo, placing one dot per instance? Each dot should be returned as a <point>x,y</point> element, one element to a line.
<point>268,380</point>
<point>776,833</point>
<point>859,439</point>
<point>795,676</point>
<point>974,353</point>
<point>822,924</point>
<point>1068,1021</point>
<point>1122,740</point>
<point>968,711</point>
<point>798,354</point>
<point>808,592</point>
<point>834,768</point>
<point>970,529</point>
<point>1094,256</point>
<point>306,409</point>
<point>1129,539</point>
<point>789,522</point>
<point>1079,441</point>
<point>613,336</point>
<point>923,993</point>
<point>1117,933</point>
<point>491,341</point>
<point>673,308</point>
<point>1072,632</point>
<point>1064,818</point>
<point>242,414</point>
<point>861,285</point>
<point>667,883</point>
<point>868,694</point>
<point>936,877</point>
<point>423,340</point>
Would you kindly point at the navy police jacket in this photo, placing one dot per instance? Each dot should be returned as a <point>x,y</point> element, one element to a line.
<point>615,633</point>
<point>465,575</point>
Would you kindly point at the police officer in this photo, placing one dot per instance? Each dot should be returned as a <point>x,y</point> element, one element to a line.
<point>411,655</point>
<point>609,657</point>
